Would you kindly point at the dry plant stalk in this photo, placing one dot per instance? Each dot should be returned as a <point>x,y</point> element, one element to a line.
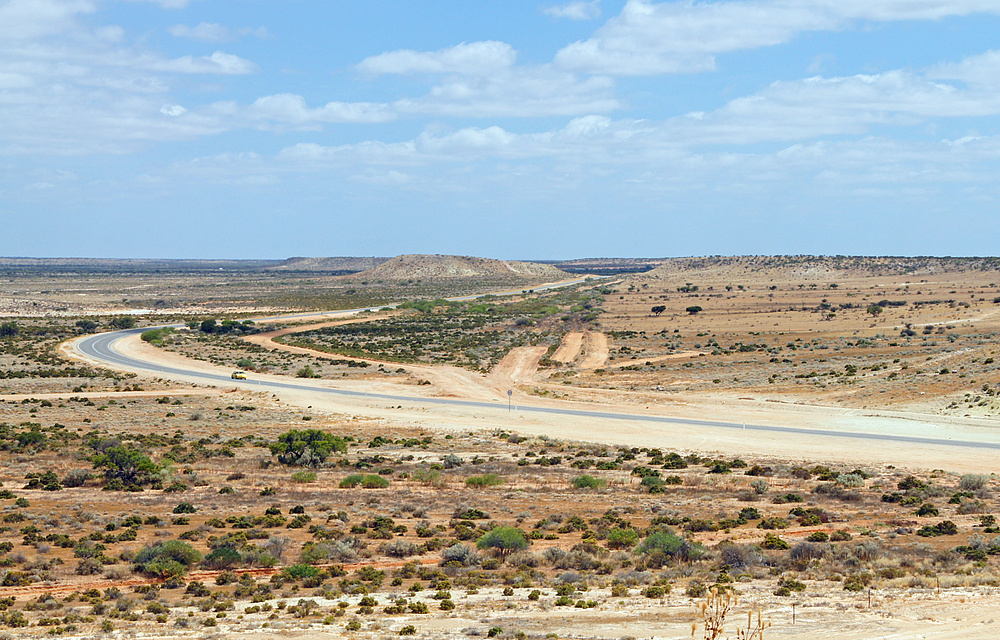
<point>714,610</point>
<point>754,630</point>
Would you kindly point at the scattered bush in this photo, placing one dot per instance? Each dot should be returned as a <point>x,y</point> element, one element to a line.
<point>399,549</point>
<point>504,540</point>
<point>365,481</point>
<point>587,482</point>
<point>166,559</point>
<point>973,482</point>
<point>485,480</point>
<point>944,528</point>
<point>461,555</point>
<point>185,507</point>
<point>309,448</point>
<point>304,476</point>
<point>773,542</point>
<point>671,546</point>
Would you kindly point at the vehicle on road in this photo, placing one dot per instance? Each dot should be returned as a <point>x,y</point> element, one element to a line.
<point>238,375</point>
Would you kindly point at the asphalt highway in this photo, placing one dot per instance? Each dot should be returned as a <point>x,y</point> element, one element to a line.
<point>101,348</point>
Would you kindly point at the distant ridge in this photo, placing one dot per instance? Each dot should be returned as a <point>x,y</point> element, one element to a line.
<point>436,267</point>
<point>115,265</point>
<point>606,266</point>
<point>338,266</point>
<point>819,267</point>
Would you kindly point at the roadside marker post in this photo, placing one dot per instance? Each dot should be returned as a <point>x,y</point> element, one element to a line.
<point>510,392</point>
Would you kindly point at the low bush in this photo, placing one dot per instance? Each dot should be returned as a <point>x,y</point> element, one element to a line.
<point>485,480</point>
<point>365,481</point>
<point>587,482</point>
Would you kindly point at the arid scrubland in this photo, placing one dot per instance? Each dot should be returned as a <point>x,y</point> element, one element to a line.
<point>131,505</point>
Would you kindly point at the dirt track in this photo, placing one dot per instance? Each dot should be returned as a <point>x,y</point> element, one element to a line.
<point>595,350</point>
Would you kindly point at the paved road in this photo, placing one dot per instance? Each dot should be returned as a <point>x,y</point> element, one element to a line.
<point>101,347</point>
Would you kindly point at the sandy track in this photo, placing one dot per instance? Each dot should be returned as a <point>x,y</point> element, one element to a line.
<point>517,367</point>
<point>569,349</point>
<point>595,351</point>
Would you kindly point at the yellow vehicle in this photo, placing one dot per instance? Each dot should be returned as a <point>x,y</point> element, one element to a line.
<point>238,375</point>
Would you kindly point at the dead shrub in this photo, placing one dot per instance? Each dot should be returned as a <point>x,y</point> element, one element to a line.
<point>399,549</point>
<point>739,556</point>
<point>524,559</point>
<point>579,560</point>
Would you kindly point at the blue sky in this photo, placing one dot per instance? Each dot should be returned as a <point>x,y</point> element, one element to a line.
<point>269,129</point>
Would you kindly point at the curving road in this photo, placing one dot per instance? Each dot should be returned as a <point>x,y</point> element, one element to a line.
<point>101,348</point>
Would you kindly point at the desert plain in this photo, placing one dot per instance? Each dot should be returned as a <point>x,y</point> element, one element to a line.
<point>715,447</point>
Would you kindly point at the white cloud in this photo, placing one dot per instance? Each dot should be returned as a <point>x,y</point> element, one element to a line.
<point>817,107</point>
<point>388,178</point>
<point>482,80</point>
<point>288,109</point>
<point>29,19</point>
<point>214,32</point>
<point>672,37</point>
<point>980,71</point>
<point>517,92</point>
<point>205,32</point>
<point>217,63</point>
<point>473,58</point>
<point>576,10</point>
<point>173,110</point>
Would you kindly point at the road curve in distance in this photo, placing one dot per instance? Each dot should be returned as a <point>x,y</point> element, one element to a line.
<point>101,348</point>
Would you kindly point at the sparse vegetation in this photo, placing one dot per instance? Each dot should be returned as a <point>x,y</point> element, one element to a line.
<point>241,520</point>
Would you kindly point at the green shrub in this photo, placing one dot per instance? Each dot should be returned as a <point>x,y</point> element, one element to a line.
<point>222,558</point>
<point>485,480</point>
<point>587,482</point>
<point>773,523</point>
<point>166,559</point>
<point>504,540</point>
<point>125,467</point>
<point>304,476</point>
<point>365,481</point>
<point>772,541</point>
<point>622,538</point>
<point>299,572</point>
<point>944,528</point>
<point>185,507</point>
<point>671,545</point>
<point>156,336</point>
<point>653,484</point>
<point>309,448</point>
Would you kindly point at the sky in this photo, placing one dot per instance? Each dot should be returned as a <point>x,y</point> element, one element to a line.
<point>517,129</point>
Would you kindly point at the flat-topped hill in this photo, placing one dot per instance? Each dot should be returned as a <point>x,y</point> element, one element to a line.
<point>436,267</point>
<point>336,265</point>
